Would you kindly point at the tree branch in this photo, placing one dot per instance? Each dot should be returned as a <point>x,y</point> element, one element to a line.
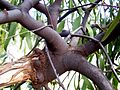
<point>54,40</point>
<point>87,13</point>
<point>91,47</point>
<point>28,4</point>
<point>82,29</point>
<point>51,12</point>
<point>72,60</point>
<point>6,5</point>
<point>104,50</point>
<point>9,16</point>
<point>71,10</point>
<point>42,8</point>
<point>53,67</point>
<point>80,64</point>
<point>54,11</point>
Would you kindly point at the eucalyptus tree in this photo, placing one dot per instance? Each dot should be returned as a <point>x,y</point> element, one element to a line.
<point>62,35</point>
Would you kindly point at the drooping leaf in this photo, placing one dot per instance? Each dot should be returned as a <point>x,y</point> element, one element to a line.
<point>90,31</point>
<point>91,57</point>
<point>75,83</point>
<point>28,40</point>
<point>102,64</point>
<point>76,23</point>
<point>88,83</point>
<point>12,31</point>
<point>112,26</point>
<point>23,33</point>
<point>51,1</point>
<point>61,26</point>
<point>84,87</point>
<point>115,83</point>
<point>70,4</point>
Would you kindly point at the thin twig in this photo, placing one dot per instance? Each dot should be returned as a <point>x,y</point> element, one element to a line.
<point>34,30</point>
<point>108,71</point>
<point>109,60</point>
<point>34,46</point>
<point>64,79</point>
<point>71,10</point>
<point>87,13</point>
<point>77,8</point>
<point>41,28</point>
<point>53,67</point>
<point>89,5</point>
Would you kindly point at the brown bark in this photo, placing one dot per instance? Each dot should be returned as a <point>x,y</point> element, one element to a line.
<point>64,58</point>
<point>74,61</point>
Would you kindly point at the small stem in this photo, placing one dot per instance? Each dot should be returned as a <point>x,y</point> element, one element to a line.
<point>34,46</point>
<point>109,60</point>
<point>53,67</point>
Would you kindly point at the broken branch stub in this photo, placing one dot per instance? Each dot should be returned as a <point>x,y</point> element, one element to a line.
<point>28,68</point>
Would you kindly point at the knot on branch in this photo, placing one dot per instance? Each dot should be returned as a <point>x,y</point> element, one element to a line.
<point>38,64</point>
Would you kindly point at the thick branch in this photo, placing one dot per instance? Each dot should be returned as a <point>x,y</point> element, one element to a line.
<point>71,60</point>
<point>40,7</point>
<point>54,40</point>
<point>28,4</point>
<point>74,61</point>
<point>9,16</point>
<point>54,11</point>
<point>6,5</point>
<point>51,12</point>
<point>80,64</point>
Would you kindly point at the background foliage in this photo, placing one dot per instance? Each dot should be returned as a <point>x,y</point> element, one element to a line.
<point>16,39</point>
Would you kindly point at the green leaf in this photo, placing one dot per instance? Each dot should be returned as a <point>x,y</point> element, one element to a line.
<point>112,26</point>
<point>51,1</point>
<point>115,83</point>
<point>84,1</point>
<point>70,4</point>
<point>76,23</point>
<point>88,83</point>
<point>91,0</point>
<point>12,31</point>
<point>14,2</point>
<point>61,26</point>
<point>91,57</point>
<point>84,86</point>
<point>23,33</point>
<point>117,45</point>
<point>28,40</point>
<point>90,31</point>
<point>102,64</point>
